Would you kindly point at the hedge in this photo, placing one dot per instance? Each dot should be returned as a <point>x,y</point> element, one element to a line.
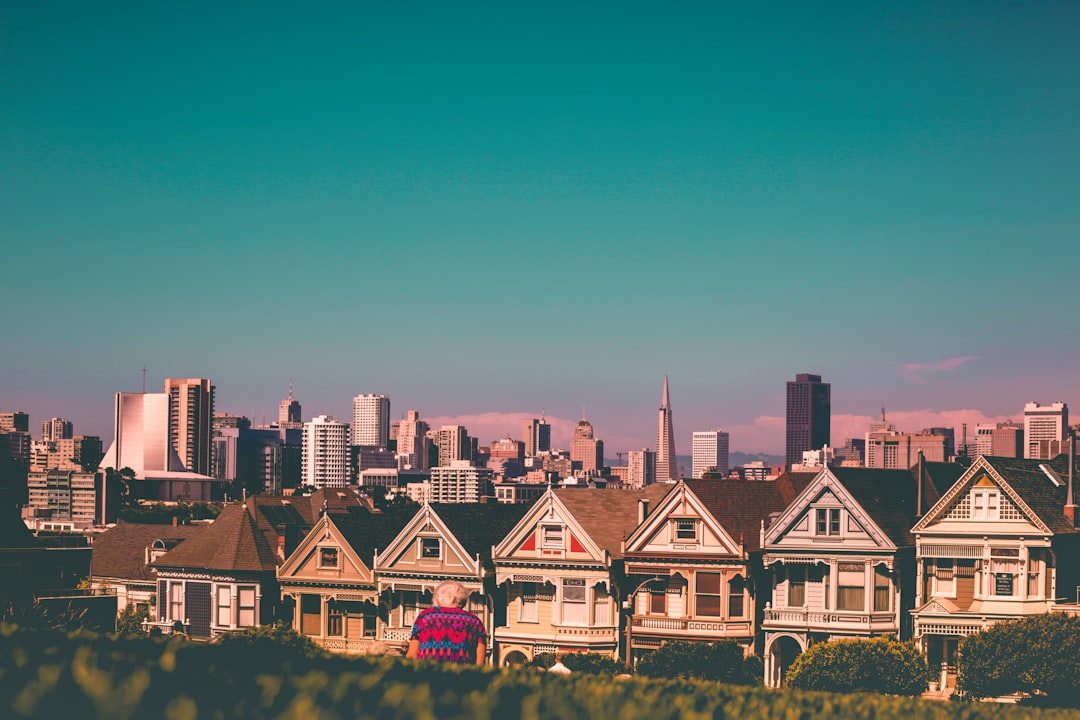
<point>881,664</point>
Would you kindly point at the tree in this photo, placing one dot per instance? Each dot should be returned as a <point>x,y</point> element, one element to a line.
<point>581,662</point>
<point>723,661</point>
<point>879,664</point>
<point>1038,655</point>
<point>129,622</point>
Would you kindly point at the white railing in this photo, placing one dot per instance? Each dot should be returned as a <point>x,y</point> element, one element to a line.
<point>350,646</point>
<point>396,634</point>
<point>814,618</point>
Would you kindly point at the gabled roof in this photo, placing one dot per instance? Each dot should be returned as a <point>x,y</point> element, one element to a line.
<point>942,475</point>
<point>367,531</point>
<point>333,500</point>
<point>740,506</point>
<point>1040,486</point>
<point>608,516</point>
<point>889,496</point>
<point>120,551</point>
<point>479,527</point>
<point>233,542</point>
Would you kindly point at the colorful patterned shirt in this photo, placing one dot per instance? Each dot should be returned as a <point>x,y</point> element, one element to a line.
<point>448,633</point>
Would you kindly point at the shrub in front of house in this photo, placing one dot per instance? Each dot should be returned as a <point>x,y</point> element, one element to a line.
<point>881,665</point>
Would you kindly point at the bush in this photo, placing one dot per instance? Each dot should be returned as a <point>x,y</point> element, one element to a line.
<point>880,664</point>
<point>129,622</point>
<point>591,663</point>
<point>1038,655</point>
<point>722,661</point>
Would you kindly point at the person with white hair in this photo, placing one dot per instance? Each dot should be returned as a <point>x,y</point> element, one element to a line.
<point>446,631</point>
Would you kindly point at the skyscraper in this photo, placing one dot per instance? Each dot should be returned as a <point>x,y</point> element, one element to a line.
<point>537,436</point>
<point>141,439</point>
<point>809,403</point>
<point>1044,423</point>
<point>710,452</point>
<point>412,442</point>
<point>191,421</point>
<point>667,470</point>
<point>586,449</point>
<point>56,429</point>
<point>288,414</point>
<point>640,468</point>
<point>454,444</point>
<point>371,420</point>
<point>325,453</point>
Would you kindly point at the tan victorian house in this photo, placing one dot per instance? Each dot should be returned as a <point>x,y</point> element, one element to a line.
<point>692,561</point>
<point>1001,544</point>
<point>560,567</point>
<point>442,542</point>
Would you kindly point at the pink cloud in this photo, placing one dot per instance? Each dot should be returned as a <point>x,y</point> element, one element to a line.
<point>922,373</point>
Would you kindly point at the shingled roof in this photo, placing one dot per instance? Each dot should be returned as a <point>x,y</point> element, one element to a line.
<point>609,516</point>
<point>942,475</point>
<point>889,497</point>
<point>478,527</point>
<point>121,551</point>
<point>367,531</point>
<point>1038,491</point>
<point>741,506</point>
<point>234,541</point>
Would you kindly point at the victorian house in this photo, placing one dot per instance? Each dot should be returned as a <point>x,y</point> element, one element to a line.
<point>561,568</point>
<point>1001,544</point>
<point>328,582</point>
<point>443,542</point>
<point>841,559</point>
<point>692,562</point>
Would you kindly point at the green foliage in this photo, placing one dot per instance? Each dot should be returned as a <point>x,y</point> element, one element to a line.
<point>161,514</point>
<point>720,661</point>
<point>129,622</point>
<point>1038,655</point>
<point>49,675</point>
<point>278,640</point>
<point>591,663</point>
<point>881,665</point>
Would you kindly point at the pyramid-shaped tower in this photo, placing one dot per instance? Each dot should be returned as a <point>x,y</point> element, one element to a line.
<point>667,470</point>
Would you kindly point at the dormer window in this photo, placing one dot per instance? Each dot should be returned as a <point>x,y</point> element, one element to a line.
<point>328,557</point>
<point>828,521</point>
<point>984,504</point>
<point>430,548</point>
<point>685,529</point>
<point>552,536</point>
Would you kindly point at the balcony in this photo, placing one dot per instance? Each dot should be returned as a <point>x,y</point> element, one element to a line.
<point>345,646</point>
<point>690,627</point>
<point>829,620</point>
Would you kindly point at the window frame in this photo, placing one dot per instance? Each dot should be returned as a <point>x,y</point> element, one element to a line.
<point>578,600</point>
<point>688,530</point>
<point>220,607</point>
<point>552,536</point>
<point>242,607</point>
<point>426,544</point>
<point>326,551</point>
<point>796,582</point>
<point>529,609</point>
<point>700,594</point>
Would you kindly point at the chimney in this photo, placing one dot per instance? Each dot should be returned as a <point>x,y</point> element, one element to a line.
<point>286,539</point>
<point>1070,501</point>
<point>918,488</point>
<point>642,510</point>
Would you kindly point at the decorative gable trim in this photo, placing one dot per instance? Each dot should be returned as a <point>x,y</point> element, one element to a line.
<point>960,489</point>
<point>323,530</point>
<point>680,502</point>
<point>546,511</point>
<point>425,522</point>
<point>825,487</point>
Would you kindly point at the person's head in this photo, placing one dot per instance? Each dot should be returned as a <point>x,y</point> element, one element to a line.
<point>450,593</point>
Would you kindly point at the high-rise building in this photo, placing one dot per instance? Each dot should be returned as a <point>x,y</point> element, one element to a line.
<point>57,429</point>
<point>371,420</point>
<point>537,436</point>
<point>141,435</point>
<point>667,469</point>
<point>191,421</point>
<point>325,454</point>
<point>508,448</point>
<point>454,443</point>
<point>1003,439</point>
<point>898,451</point>
<point>14,422</point>
<point>809,403</point>
<point>1041,423</point>
<point>586,449</point>
<point>641,468</point>
<point>288,414</point>
<point>412,442</point>
<point>459,482</point>
<point>710,452</point>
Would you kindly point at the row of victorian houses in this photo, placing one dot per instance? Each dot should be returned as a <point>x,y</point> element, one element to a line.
<point>931,554</point>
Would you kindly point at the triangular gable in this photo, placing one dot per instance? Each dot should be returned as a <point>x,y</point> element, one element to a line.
<point>825,489</point>
<point>656,534</point>
<point>956,504</point>
<point>402,554</point>
<point>529,542</point>
<point>303,563</point>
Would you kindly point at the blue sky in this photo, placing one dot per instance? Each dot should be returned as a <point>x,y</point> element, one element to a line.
<point>487,209</point>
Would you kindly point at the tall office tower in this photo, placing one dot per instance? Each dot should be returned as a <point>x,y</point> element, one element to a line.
<point>412,442</point>
<point>809,403</point>
<point>1008,440</point>
<point>537,436</point>
<point>191,421</point>
<point>641,468</point>
<point>1043,422</point>
<point>288,413</point>
<point>14,422</point>
<point>710,452</point>
<point>586,449</point>
<point>141,435</point>
<point>57,429</point>
<point>325,454</point>
<point>898,451</point>
<point>508,448</point>
<point>459,482</point>
<point>667,469</point>
<point>454,443</point>
<point>371,420</point>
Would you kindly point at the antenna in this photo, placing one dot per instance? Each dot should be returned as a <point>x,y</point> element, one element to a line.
<point>882,413</point>
<point>290,388</point>
<point>144,379</point>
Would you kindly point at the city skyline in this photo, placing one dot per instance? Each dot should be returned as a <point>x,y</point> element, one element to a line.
<point>884,196</point>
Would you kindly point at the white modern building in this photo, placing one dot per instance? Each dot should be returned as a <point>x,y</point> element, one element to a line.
<point>191,421</point>
<point>371,420</point>
<point>710,452</point>
<point>459,482</point>
<point>325,453</point>
<point>412,442</point>
<point>1043,423</point>
<point>640,468</point>
<point>141,426</point>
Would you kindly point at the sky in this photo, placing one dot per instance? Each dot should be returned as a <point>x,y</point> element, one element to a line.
<point>486,210</point>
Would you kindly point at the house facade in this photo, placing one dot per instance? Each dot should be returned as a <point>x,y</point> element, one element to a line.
<point>840,561</point>
<point>1001,544</point>
<point>560,568</point>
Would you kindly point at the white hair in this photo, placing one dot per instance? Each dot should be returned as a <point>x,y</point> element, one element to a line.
<point>450,593</point>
